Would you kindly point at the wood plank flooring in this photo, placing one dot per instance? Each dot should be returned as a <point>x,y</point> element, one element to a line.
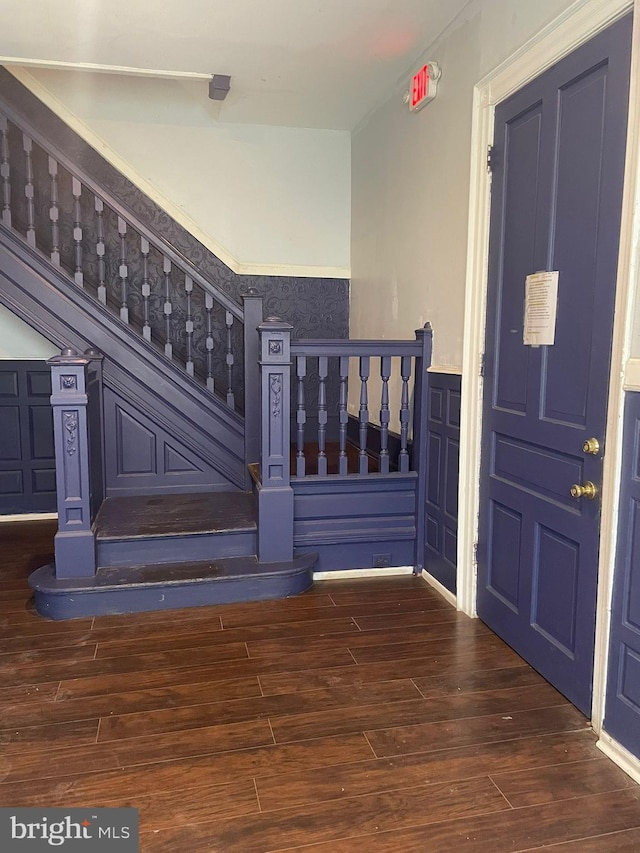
<point>363,714</point>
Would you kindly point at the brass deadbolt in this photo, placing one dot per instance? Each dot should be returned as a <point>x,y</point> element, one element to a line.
<point>591,446</point>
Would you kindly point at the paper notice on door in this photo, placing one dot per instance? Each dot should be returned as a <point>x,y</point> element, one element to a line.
<point>540,307</point>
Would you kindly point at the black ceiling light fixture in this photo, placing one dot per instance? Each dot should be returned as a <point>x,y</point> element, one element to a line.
<point>219,87</point>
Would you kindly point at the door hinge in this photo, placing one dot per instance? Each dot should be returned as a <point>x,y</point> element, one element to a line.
<point>482,365</point>
<point>475,553</point>
<point>490,158</point>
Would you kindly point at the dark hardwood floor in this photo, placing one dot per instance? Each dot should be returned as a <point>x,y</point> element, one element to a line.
<point>361,715</point>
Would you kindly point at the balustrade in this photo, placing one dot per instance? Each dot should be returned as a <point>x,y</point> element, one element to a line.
<point>121,262</point>
<point>331,366</point>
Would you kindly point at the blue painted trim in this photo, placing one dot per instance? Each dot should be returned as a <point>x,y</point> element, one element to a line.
<point>622,704</point>
<point>135,590</point>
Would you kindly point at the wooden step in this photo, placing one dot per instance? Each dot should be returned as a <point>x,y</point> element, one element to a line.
<point>158,529</point>
<point>170,585</point>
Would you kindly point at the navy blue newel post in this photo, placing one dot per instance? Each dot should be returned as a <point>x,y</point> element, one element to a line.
<point>419,444</point>
<point>75,550</point>
<point>252,320</point>
<point>275,497</point>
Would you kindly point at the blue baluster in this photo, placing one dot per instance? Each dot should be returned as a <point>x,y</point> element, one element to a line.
<point>123,271</point>
<point>76,189</point>
<point>54,212</point>
<point>29,192</point>
<point>363,459</point>
<point>167,308</point>
<point>405,375</point>
<point>229,359</point>
<point>385,373</point>
<point>343,462</point>
<point>5,171</point>
<point>100,250</point>
<point>323,370</point>
<point>208,305</point>
<point>188,288</point>
<point>301,415</point>
<point>146,289</point>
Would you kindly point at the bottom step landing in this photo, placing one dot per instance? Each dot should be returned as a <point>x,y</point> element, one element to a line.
<point>135,589</point>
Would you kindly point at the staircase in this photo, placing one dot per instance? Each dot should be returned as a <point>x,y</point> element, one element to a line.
<point>172,407</point>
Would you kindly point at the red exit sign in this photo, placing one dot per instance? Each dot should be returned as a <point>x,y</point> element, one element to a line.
<point>423,87</point>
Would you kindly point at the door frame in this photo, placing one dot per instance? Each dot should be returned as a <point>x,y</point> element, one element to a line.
<point>576,25</point>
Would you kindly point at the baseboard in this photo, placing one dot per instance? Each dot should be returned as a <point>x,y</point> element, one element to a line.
<point>622,757</point>
<point>362,573</point>
<point>30,516</point>
<point>444,592</point>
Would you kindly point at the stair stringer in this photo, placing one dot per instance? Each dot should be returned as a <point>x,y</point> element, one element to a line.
<point>48,301</point>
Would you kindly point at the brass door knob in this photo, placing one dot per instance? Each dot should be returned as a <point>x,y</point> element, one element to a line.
<point>592,446</point>
<point>588,490</point>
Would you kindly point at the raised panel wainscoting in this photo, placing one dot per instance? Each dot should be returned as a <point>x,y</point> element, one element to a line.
<point>27,457</point>
<point>443,452</point>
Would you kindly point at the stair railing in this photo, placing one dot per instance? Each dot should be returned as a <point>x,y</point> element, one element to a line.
<point>121,262</point>
<point>327,367</point>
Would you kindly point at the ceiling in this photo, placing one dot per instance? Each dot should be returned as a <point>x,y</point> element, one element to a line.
<point>300,63</point>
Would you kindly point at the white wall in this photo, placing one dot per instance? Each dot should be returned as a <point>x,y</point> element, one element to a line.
<point>264,199</point>
<point>410,189</point>
<point>18,340</point>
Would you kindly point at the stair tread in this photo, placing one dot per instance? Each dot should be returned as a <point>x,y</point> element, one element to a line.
<point>144,516</point>
<point>172,574</point>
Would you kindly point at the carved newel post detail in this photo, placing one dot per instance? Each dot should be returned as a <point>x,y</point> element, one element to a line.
<point>275,497</point>
<point>74,541</point>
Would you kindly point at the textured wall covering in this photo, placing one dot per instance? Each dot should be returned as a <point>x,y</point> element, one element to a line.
<point>622,711</point>
<point>316,307</point>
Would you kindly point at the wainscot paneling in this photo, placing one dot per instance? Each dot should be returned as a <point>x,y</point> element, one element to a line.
<point>622,710</point>
<point>27,460</point>
<point>443,450</point>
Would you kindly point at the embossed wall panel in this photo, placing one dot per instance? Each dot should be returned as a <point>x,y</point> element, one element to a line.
<point>136,446</point>
<point>8,382</point>
<point>436,403</point>
<point>453,407</point>
<point>631,611</point>
<point>41,432</point>
<point>39,383</point>
<point>432,533</point>
<point>434,464</point>
<point>505,532</point>
<point>11,483</point>
<point>142,457</point>
<point>452,459</point>
<point>553,609</point>
<point>10,446</point>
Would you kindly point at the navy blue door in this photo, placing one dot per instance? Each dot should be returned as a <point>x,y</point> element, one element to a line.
<point>27,456</point>
<point>556,202</point>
